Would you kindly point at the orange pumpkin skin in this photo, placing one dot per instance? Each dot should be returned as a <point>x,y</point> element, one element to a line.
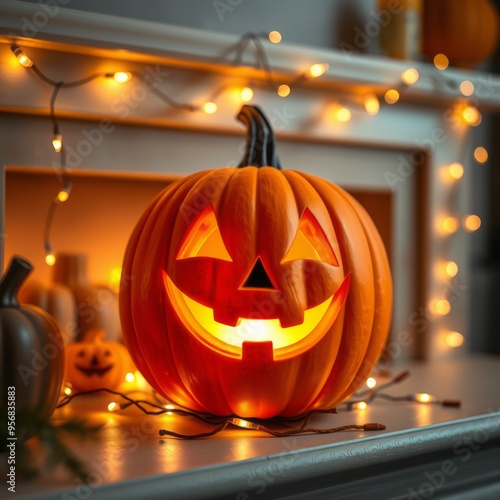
<point>258,213</point>
<point>95,363</point>
<point>466,31</point>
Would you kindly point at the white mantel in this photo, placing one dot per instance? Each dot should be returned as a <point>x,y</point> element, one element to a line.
<point>149,137</point>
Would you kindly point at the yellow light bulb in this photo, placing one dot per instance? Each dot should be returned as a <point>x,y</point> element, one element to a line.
<point>371,383</point>
<point>210,108</point>
<point>115,278</point>
<point>284,90</point>
<point>50,259</point>
<point>275,37</point>
<point>467,88</point>
<point>441,307</point>
<point>246,94</point>
<point>113,406</point>
<point>471,223</point>
<point>451,269</point>
<point>424,398</point>
<point>372,104</point>
<point>21,57</point>
<point>317,70</point>
<point>67,390</point>
<point>62,196</point>
<point>471,116</point>
<point>360,406</point>
<point>122,76</point>
<point>481,155</point>
<point>57,142</point>
<point>129,377</point>
<point>391,96</point>
<point>239,422</point>
<point>450,225</point>
<point>342,114</point>
<point>454,339</point>
<point>410,76</point>
<point>441,61</point>
<point>456,170</point>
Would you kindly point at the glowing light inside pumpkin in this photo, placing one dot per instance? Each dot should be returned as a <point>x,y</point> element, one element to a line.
<point>410,76</point>
<point>372,104</point>
<point>275,37</point>
<point>471,223</point>
<point>284,90</point>
<point>481,155</point>
<point>454,339</point>
<point>441,61</point>
<point>391,96</point>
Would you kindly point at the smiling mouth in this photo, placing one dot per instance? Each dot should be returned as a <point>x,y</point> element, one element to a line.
<point>99,372</point>
<point>200,320</point>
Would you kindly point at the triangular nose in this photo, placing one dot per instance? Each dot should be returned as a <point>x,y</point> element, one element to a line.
<point>258,277</point>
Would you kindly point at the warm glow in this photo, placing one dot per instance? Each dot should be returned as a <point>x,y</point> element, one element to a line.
<point>371,383</point>
<point>170,407</point>
<point>130,377</point>
<point>342,114</point>
<point>62,196</point>
<point>424,398</point>
<point>246,94</point>
<point>450,225</point>
<point>122,76</point>
<point>115,276</point>
<point>284,90</point>
<point>200,320</point>
<point>50,259</point>
<point>441,307</point>
<point>21,57</point>
<point>317,70</point>
<point>360,406</point>
<point>471,115</point>
<point>456,170</point>
<point>441,61</point>
<point>454,339</point>
<point>481,155</point>
<point>372,104</point>
<point>57,142</point>
<point>112,406</point>
<point>471,223</point>
<point>410,76</point>
<point>391,96</point>
<point>239,422</point>
<point>467,88</point>
<point>275,37</point>
<point>210,108</point>
<point>451,269</point>
<point>67,390</point>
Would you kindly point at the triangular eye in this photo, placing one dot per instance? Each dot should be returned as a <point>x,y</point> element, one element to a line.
<point>203,239</point>
<point>310,242</point>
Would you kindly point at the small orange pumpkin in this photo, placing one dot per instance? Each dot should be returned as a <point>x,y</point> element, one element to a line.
<point>94,363</point>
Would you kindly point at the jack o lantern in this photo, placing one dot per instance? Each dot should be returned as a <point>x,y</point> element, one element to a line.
<point>94,363</point>
<point>256,291</point>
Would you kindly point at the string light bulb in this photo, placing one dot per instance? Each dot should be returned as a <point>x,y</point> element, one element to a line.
<point>122,76</point>
<point>317,70</point>
<point>424,398</point>
<point>481,155</point>
<point>450,225</point>
<point>284,90</point>
<point>471,115</point>
<point>371,383</point>
<point>239,422</point>
<point>246,94</point>
<point>21,57</point>
<point>129,377</point>
<point>454,339</point>
<point>451,269</point>
<point>441,62</point>
<point>391,96</point>
<point>372,104</point>
<point>50,259</point>
<point>63,194</point>
<point>441,307</point>
<point>57,142</point>
<point>210,107</point>
<point>275,37</point>
<point>410,76</point>
<point>467,88</point>
<point>361,405</point>
<point>471,223</point>
<point>456,170</point>
<point>342,114</point>
<point>68,389</point>
<point>113,406</point>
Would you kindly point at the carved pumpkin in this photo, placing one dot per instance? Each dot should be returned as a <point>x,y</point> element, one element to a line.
<point>57,300</point>
<point>94,363</point>
<point>31,348</point>
<point>255,291</point>
<point>465,31</point>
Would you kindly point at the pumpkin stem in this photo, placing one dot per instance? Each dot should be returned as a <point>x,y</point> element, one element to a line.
<point>260,149</point>
<point>14,277</point>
